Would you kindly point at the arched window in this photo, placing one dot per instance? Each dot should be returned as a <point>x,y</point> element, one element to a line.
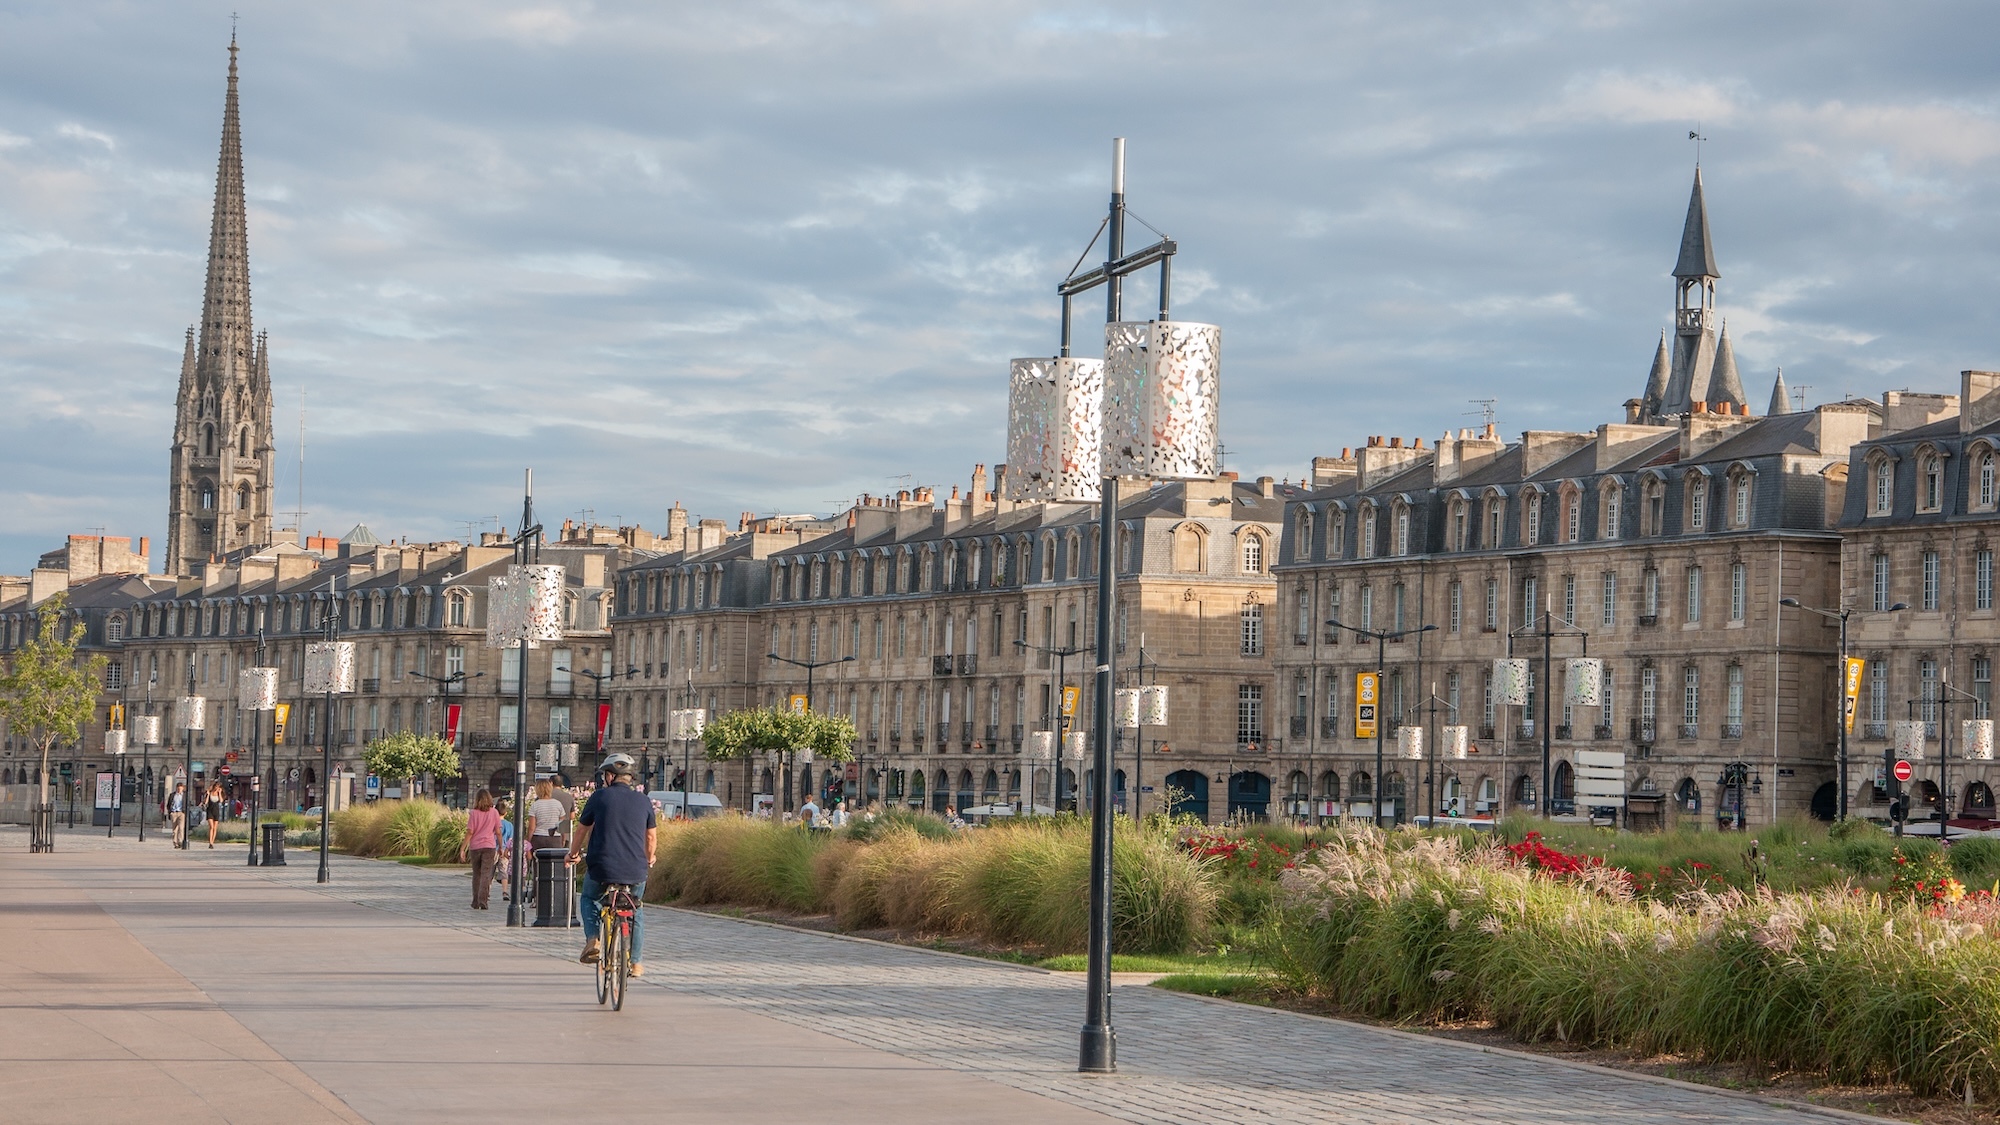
<point>1367,531</point>
<point>1740,500</point>
<point>1610,511</point>
<point>1253,554</point>
<point>208,441</point>
<point>1989,487</point>
<point>243,497</point>
<point>1932,498</point>
<point>207,496</point>
<point>1302,536</point>
<point>1885,486</point>
<point>243,442</point>
<point>1190,550</point>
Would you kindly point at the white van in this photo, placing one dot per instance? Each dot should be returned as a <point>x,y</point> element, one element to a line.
<point>669,801</point>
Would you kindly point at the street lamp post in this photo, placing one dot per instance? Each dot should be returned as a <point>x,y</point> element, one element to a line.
<point>1381,640</point>
<point>189,722</point>
<point>810,666</point>
<point>1062,656</point>
<point>444,683</point>
<point>1841,615</point>
<point>256,744</point>
<point>1548,632</point>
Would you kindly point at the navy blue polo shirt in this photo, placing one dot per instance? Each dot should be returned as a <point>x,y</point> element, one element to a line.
<point>618,816</point>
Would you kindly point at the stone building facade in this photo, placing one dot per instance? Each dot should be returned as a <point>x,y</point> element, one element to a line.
<point>933,601</point>
<point>1919,528</point>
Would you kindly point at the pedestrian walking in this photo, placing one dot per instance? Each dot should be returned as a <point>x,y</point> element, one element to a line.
<point>503,873</point>
<point>214,811</point>
<point>177,814</point>
<point>548,825</point>
<point>481,846</point>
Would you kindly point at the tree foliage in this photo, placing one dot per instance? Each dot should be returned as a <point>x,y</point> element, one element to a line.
<point>408,755</point>
<point>740,734</point>
<point>46,694</point>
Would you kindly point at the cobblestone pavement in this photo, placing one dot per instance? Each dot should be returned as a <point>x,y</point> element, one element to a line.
<point>1180,1058</point>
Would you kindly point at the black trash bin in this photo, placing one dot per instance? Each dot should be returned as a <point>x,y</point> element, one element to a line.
<point>555,888</point>
<point>274,844</point>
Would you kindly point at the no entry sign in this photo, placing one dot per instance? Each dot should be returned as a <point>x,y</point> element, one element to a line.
<point>1903,770</point>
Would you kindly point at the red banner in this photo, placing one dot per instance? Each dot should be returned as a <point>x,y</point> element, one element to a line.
<point>451,724</point>
<point>603,722</point>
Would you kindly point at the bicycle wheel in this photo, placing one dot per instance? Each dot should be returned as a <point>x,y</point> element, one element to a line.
<point>618,960</point>
<point>606,925</point>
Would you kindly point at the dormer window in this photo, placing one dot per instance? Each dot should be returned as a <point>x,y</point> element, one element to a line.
<point>1989,487</point>
<point>1740,492</point>
<point>1368,532</point>
<point>1532,531</point>
<point>1885,486</point>
<point>1496,517</point>
<point>1932,497</point>
<point>1697,504</point>
<point>1302,537</point>
<point>1607,527</point>
<point>1402,529</point>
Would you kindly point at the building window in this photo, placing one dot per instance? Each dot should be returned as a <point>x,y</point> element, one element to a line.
<point>1531,602</point>
<point>1533,531</point>
<point>1486,704</point>
<point>1368,532</point>
<point>1694,594</point>
<point>1982,578</point>
<point>1930,591</point>
<point>1402,530</point>
<point>1249,714</point>
<point>1989,488</point>
<point>1367,607</point>
<point>114,674</point>
<point>1610,599</point>
<point>1738,591</point>
<point>1253,554</point>
<point>1733,703</point>
<point>1691,696</point>
<point>1933,483</point>
<point>1569,599</point>
<point>1573,517</point>
<point>1878,691</point>
<point>1333,603</point>
<point>1302,629</point>
<point>1606,705</point>
<point>1881,583</point>
<point>1457,596</point>
<point>1609,528</point>
<point>1982,687</point>
<point>1496,522</point>
<point>1649,695</point>
<point>1742,501</point>
<point>1492,604</point>
<point>1697,503</point>
<point>1458,528</point>
<point>1885,486</point>
<point>1927,690</point>
<point>1253,630</point>
<point>1396,598</point>
<point>1302,538</point>
<point>1649,594</point>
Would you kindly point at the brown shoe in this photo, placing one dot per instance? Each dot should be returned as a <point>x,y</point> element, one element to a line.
<point>638,970</point>
<point>590,953</point>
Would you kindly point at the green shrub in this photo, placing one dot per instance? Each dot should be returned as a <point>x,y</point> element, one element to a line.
<point>863,829</point>
<point>1976,861</point>
<point>446,837</point>
<point>358,829</point>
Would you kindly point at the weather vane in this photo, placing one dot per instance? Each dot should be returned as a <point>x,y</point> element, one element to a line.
<point>1696,136</point>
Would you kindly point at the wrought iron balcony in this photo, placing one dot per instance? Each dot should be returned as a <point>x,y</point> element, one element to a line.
<point>1329,727</point>
<point>1298,725</point>
<point>1602,732</point>
<point>1562,733</point>
<point>1875,730</point>
<point>1690,730</point>
<point>1732,730</point>
<point>1645,730</point>
<point>968,664</point>
<point>941,665</point>
<point>371,687</point>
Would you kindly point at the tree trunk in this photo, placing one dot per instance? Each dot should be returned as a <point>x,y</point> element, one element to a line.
<point>44,779</point>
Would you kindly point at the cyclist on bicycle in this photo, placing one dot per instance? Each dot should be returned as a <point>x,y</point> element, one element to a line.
<point>616,836</point>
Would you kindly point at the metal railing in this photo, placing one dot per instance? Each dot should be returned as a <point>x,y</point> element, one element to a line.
<point>941,665</point>
<point>1329,727</point>
<point>1732,730</point>
<point>1690,730</point>
<point>1298,725</point>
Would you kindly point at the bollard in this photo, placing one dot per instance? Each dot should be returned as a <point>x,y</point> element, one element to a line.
<point>555,889</point>
<point>274,844</point>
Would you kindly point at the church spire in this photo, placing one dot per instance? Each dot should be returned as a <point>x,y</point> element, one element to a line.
<point>219,497</point>
<point>1697,258</point>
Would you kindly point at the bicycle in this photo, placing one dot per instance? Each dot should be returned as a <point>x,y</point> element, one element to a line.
<point>615,908</point>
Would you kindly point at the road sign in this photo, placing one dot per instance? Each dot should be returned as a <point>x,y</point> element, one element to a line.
<point>294,774</point>
<point>231,756</point>
<point>225,769</point>
<point>1904,772</point>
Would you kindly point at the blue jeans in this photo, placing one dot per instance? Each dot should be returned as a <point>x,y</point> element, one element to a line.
<point>592,891</point>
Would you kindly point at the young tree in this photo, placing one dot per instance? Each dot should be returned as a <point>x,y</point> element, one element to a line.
<point>46,694</point>
<point>739,734</point>
<point>408,755</point>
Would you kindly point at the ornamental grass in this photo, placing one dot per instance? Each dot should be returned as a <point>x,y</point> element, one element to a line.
<point>1863,988</point>
<point>1024,883</point>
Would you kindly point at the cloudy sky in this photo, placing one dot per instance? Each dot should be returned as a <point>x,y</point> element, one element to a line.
<point>767,256</point>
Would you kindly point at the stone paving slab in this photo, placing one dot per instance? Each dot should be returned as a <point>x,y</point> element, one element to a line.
<point>1012,1027</point>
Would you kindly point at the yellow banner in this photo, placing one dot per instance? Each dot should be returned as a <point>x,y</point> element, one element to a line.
<point>1855,665</point>
<point>278,731</point>
<point>117,716</point>
<point>1366,689</point>
<point>1070,696</point>
<point>798,703</point>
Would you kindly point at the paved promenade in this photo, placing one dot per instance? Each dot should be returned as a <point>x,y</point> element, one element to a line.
<point>146,984</point>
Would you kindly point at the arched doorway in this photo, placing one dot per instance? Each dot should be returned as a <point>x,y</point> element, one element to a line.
<point>941,792</point>
<point>1118,792</point>
<point>964,790</point>
<point>1361,795</point>
<point>1687,797</point>
<point>1188,790</point>
<point>1524,792</point>
<point>916,796</point>
<point>1978,801</point>
<point>1826,801</point>
<point>764,782</point>
<point>1925,792</point>
<point>1563,802</point>
<point>500,783</point>
<point>805,782</point>
<point>989,789</point>
<point>1298,799</point>
<point>1250,795</point>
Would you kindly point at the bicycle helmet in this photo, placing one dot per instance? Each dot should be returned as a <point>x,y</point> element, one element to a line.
<point>616,763</point>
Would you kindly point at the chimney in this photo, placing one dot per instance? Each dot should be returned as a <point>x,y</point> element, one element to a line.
<point>1267,487</point>
<point>1979,406</point>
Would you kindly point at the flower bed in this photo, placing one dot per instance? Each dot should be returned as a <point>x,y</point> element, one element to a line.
<point>1859,987</point>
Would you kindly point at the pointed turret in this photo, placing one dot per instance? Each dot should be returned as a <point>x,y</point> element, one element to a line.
<point>1724,385</point>
<point>1697,256</point>
<point>1656,381</point>
<point>1781,397</point>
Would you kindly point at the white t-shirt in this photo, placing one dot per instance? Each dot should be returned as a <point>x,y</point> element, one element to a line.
<point>809,814</point>
<point>547,814</point>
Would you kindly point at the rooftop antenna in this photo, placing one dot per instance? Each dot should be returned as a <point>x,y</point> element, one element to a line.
<point>1695,135</point>
<point>1485,410</point>
<point>1799,392</point>
<point>298,514</point>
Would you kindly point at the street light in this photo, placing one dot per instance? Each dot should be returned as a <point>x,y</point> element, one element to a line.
<point>1841,615</point>
<point>810,666</point>
<point>1062,656</point>
<point>1381,640</point>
